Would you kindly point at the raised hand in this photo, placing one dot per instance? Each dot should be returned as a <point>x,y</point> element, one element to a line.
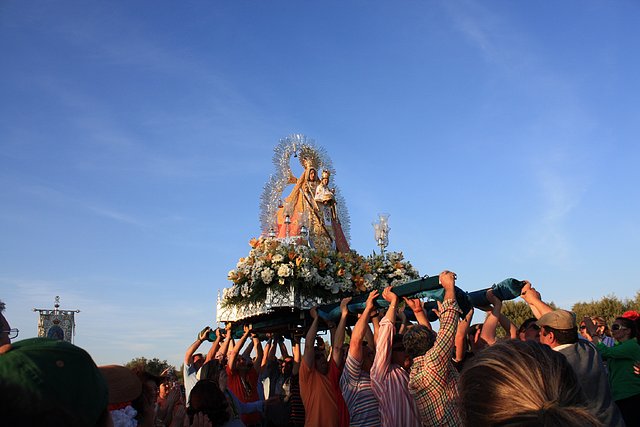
<point>344,310</point>
<point>415,304</point>
<point>202,336</point>
<point>448,279</point>
<point>371,298</point>
<point>494,300</point>
<point>390,296</point>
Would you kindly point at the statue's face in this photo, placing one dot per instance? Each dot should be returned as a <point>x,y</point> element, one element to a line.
<point>312,174</point>
<point>325,181</point>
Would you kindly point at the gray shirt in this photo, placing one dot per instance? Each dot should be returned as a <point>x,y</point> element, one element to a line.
<point>588,366</point>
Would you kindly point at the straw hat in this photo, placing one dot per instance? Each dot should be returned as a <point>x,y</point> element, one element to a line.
<point>123,384</point>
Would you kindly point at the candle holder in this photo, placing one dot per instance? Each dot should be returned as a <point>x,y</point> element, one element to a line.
<point>287,223</point>
<point>381,231</point>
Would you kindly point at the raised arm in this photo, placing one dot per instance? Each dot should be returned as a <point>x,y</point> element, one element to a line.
<point>371,341</point>
<point>362,325</point>
<point>259,353</point>
<point>533,298</point>
<point>418,310</point>
<point>297,357</point>
<point>384,339</point>
<point>267,351</point>
<point>404,323</point>
<point>246,353</point>
<point>461,336</point>
<point>214,347</point>
<point>283,348</point>
<point>309,354</point>
<point>493,318</point>
<point>392,298</point>
<point>508,326</point>
<point>440,354</point>
<point>375,320</point>
<point>188,356</point>
<point>236,348</point>
<point>224,348</point>
<point>338,340</point>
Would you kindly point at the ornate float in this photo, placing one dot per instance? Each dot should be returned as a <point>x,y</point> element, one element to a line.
<point>303,258</point>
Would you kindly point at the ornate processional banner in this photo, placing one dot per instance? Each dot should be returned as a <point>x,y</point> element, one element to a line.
<point>58,325</point>
<point>55,323</point>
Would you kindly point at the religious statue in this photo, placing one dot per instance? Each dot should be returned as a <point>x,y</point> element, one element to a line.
<point>305,215</point>
<point>301,209</point>
<point>325,198</point>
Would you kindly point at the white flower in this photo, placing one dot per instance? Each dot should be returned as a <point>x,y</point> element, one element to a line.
<point>267,275</point>
<point>308,273</point>
<point>277,258</point>
<point>124,417</point>
<point>284,270</point>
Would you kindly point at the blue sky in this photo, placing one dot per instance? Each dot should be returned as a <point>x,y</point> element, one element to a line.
<point>136,137</point>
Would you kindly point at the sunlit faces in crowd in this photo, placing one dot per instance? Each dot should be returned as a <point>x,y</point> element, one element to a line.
<point>529,330</point>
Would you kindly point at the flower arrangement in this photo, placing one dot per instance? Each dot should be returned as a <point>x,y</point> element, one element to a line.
<point>329,275</point>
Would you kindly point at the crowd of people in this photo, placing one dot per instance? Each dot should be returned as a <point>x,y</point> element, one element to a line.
<point>552,370</point>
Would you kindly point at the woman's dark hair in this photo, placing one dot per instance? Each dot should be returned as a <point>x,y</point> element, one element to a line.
<point>629,324</point>
<point>210,371</point>
<point>148,396</point>
<point>206,397</point>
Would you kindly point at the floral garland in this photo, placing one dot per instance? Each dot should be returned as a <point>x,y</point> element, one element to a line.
<point>273,263</point>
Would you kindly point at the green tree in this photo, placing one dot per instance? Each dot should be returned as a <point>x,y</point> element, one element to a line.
<point>154,366</point>
<point>609,307</point>
<point>517,311</point>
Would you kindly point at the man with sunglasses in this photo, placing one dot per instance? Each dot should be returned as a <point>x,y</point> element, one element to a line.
<point>558,330</point>
<point>529,330</point>
<point>6,333</point>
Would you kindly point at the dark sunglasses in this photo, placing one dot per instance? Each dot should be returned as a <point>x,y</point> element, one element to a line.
<point>582,327</point>
<point>13,333</point>
<point>531,325</point>
<point>615,327</point>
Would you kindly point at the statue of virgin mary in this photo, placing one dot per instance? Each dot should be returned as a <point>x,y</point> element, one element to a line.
<point>300,207</point>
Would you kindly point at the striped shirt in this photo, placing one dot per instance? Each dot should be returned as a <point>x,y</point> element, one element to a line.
<point>434,379</point>
<point>390,384</point>
<point>356,390</point>
<point>297,408</point>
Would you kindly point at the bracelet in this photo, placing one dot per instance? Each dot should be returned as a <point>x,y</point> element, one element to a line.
<point>419,311</point>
